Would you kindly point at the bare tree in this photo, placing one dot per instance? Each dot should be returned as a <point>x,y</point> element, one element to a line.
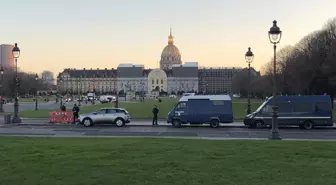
<point>308,67</point>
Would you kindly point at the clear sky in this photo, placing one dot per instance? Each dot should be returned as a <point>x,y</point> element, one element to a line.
<point>57,34</point>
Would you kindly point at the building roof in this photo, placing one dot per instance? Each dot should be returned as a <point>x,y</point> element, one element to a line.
<point>90,73</point>
<point>130,65</point>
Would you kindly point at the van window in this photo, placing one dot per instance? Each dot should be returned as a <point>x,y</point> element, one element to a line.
<point>218,102</point>
<point>267,109</point>
<point>322,107</point>
<point>302,107</point>
<point>181,106</point>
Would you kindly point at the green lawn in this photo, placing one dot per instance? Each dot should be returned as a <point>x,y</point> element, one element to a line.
<point>54,161</point>
<point>143,110</point>
<point>33,100</point>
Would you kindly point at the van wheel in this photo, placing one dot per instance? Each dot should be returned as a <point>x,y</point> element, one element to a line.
<point>176,123</point>
<point>308,125</point>
<point>258,124</point>
<point>214,123</point>
<point>87,122</point>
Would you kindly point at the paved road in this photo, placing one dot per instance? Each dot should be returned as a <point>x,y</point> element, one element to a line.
<point>141,130</point>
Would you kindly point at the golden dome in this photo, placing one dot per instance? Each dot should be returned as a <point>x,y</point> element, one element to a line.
<point>170,54</point>
<point>171,51</point>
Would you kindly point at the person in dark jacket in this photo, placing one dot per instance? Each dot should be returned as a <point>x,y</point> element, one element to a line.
<point>155,115</point>
<point>75,111</point>
<point>63,108</point>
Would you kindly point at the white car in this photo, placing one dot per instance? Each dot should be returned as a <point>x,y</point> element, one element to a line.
<point>117,116</point>
<point>107,99</point>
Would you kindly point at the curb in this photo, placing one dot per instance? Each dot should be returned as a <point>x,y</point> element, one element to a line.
<point>32,119</point>
<point>130,125</point>
<point>171,137</point>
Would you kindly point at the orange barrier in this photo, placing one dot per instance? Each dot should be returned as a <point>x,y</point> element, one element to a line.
<point>61,117</point>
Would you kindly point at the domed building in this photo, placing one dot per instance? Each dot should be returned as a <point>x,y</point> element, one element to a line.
<point>170,55</point>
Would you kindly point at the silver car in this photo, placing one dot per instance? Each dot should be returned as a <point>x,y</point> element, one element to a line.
<point>116,116</point>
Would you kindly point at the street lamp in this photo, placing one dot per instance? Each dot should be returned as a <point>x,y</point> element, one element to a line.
<point>274,35</point>
<point>61,101</point>
<point>16,55</point>
<point>249,58</point>
<point>80,92</point>
<point>1,100</point>
<point>117,91</point>
<point>36,106</point>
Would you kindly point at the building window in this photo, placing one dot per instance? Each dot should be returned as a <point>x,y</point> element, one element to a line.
<point>161,81</point>
<point>157,81</point>
<point>153,81</point>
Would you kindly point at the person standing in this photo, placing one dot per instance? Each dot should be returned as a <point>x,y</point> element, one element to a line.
<point>75,111</point>
<point>155,115</point>
<point>63,108</point>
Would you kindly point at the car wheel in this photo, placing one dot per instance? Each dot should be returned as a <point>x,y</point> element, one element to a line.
<point>214,123</point>
<point>259,124</point>
<point>308,125</point>
<point>176,123</point>
<point>87,122</point>
<point>119,122</point>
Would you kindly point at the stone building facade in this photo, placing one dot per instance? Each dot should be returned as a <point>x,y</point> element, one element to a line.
<point>87,80</point>
<point>173,76</point>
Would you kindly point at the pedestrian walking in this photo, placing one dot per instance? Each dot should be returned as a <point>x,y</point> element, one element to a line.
<point>155,115</point>
<point>75,111</point>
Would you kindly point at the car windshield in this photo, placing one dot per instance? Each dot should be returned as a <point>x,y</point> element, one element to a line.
<point>261,106</point>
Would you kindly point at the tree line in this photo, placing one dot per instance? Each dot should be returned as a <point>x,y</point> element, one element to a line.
<point>306,68</point>
<point>27,84</point>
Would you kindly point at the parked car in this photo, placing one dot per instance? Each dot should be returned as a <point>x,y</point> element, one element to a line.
<point>172,96</point>
<point>107,99</point>
<point>68,100</point>
<point>198,109</point>
<point>117,116</point>
<point>304,111</point>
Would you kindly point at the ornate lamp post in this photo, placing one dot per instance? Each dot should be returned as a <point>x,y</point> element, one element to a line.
<point>61,101</point>
<point>80,92</point>
<point>16,55</point>
<point>1,100</point>
<point>36,103</point>
<point>117,90</point>
<point>274,35</point>
<point>249,58</point>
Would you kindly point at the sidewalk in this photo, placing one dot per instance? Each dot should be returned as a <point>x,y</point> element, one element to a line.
<point>133,123</point>
<point>138,119</point>
<point>136,122</point>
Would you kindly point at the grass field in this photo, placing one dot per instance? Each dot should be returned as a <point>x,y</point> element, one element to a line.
<point>143,110</point>
<point>33,100</point>
<point>54,161</point>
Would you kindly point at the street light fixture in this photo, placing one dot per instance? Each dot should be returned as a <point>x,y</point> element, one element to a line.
<point>61,101</point>
<point>274,35</point>
<point>1,100</point>
<point>16,55</point>
<point>249,58</point>
<point>36,103</point>
<point>80,92</point>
